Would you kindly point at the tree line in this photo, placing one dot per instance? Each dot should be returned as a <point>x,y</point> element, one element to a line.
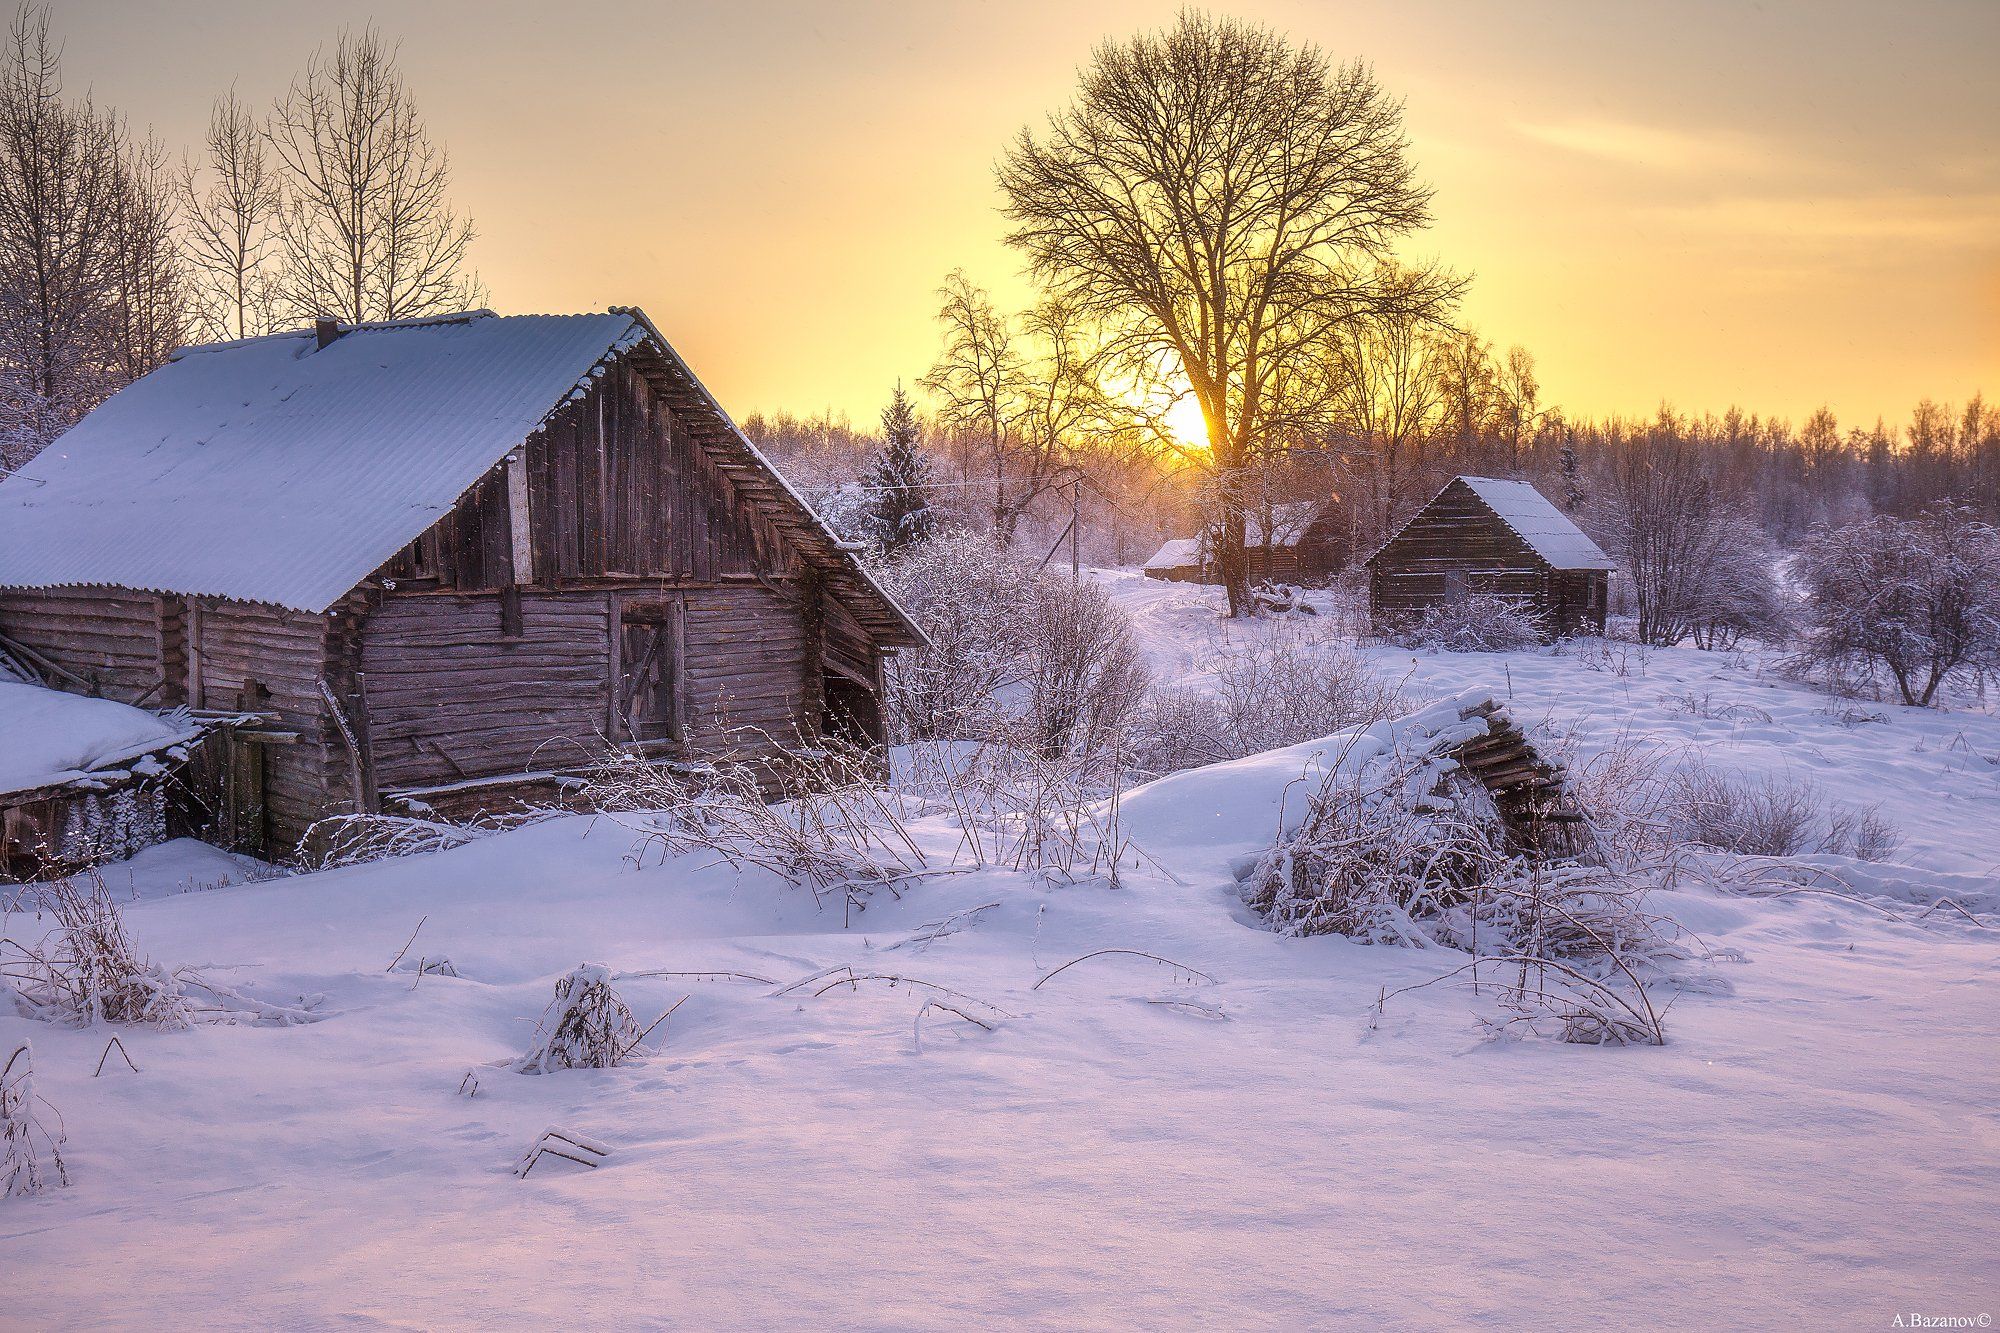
<point>330,202</point>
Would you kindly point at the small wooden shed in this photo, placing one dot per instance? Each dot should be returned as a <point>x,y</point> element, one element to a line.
<point>1481,535</point>
<point>1294,542</point>
<point>445,560</point>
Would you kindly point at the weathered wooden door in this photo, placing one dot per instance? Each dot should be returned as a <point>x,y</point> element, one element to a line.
<point>652,669</point>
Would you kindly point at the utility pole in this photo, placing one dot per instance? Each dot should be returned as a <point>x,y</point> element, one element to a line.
<point>1075,524</point>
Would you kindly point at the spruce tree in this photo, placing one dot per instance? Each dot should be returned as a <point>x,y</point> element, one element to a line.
<point>899,480</point>
<point>1572,475</point>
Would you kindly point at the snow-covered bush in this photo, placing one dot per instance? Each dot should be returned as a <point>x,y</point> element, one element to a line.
<point>1015,653</point>
<point>1086,671</point>
<point>1479,623</point>
<point>967,595</point>
<point>85,968</point>
<point>1770,816</point>
<point>1918,597</point>
<point>21,1170</point>
<point>1272,692</point>
<point>586,1026</point>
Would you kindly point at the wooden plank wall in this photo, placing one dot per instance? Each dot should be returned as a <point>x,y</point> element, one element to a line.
<point>746,667</point>
<point>284,652</point>
<point>109,636</point>
<point>451,697</point>
<point>1456,531</point>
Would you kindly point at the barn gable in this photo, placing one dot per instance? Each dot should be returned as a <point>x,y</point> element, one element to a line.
<point>1502,538</point>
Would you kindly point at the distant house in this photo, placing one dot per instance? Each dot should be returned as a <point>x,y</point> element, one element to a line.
<point>1177,561</point>
<point>1296,542</point>
<point>443,561</point>
<point>1481,535</point>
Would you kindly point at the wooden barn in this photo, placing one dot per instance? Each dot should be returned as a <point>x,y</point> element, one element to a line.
<point>1503,538</point>
<point>442,562</point>
<point>1295,542</point>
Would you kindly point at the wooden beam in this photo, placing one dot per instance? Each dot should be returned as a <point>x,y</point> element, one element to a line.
<point>517,516</point>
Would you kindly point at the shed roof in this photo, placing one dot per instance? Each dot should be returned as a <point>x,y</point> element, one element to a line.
<point>1179,553</point>
<point>276,470</point>
<point>1546,530</point>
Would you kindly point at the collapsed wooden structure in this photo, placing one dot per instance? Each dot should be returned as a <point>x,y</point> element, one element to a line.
<point>1482,536</point>
<point>444,562</point>
<point>1530,792</point>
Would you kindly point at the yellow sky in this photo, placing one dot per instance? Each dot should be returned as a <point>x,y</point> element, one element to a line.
<point>1772,204</point>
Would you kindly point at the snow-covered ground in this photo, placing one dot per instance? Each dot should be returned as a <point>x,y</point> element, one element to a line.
<point>1129,1145</point>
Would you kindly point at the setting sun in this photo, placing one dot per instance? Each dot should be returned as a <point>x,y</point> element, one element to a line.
<point>1184,422</point>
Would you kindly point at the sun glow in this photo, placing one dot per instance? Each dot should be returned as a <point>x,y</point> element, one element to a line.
<point>1183,421</point>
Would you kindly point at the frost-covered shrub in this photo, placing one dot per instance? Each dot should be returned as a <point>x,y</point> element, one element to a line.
<point>966,594</point>
<point>1771,816</point>
<point>1479,623</point>
<point>21,1169</point>
<point>1918,597</point>
<point>1267,694</point>
<point>86,969</point>
<point>1086,674</point>
<point>1015,653</point>
<point>586,1026</point>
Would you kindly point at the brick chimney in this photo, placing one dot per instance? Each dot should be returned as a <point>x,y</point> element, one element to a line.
<point>325,331</point>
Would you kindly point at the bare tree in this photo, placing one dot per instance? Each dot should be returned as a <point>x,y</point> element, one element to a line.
<point>1391,402</point>
<point>1220,200</point>
<point>1023,391</point>
<point>1697,559</point>
<point>230,205</point>
<point>152,304</point>
<point>1920,596</point>
<point>62,191</point>
<point>1521,415</point>
<point>366,228</point>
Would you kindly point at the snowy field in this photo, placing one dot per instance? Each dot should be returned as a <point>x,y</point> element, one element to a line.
<point>1129,1145</point>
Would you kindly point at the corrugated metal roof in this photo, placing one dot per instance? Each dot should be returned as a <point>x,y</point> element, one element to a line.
<point>1546,529</point>
<point>275,470</point>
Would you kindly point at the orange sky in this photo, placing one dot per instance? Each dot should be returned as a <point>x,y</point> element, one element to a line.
<point>1772,204</point>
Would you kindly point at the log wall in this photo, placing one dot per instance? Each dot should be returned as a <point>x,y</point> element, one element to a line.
<point>112,638</point>
<point>452,697</point>
<point>267,659</point>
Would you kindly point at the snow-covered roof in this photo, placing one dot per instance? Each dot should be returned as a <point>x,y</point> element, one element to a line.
<point>54,738</point>
<point>1289,522</point>
<point>1180,553</point>
<point>1547,530</point>
<point>276,470</point>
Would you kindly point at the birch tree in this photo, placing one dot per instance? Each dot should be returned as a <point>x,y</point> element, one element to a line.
<point>62,184</point>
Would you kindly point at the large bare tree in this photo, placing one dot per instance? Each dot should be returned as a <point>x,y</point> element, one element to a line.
<point>1222,200</point>
<point>367,229</point>
<point>230,207</point>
